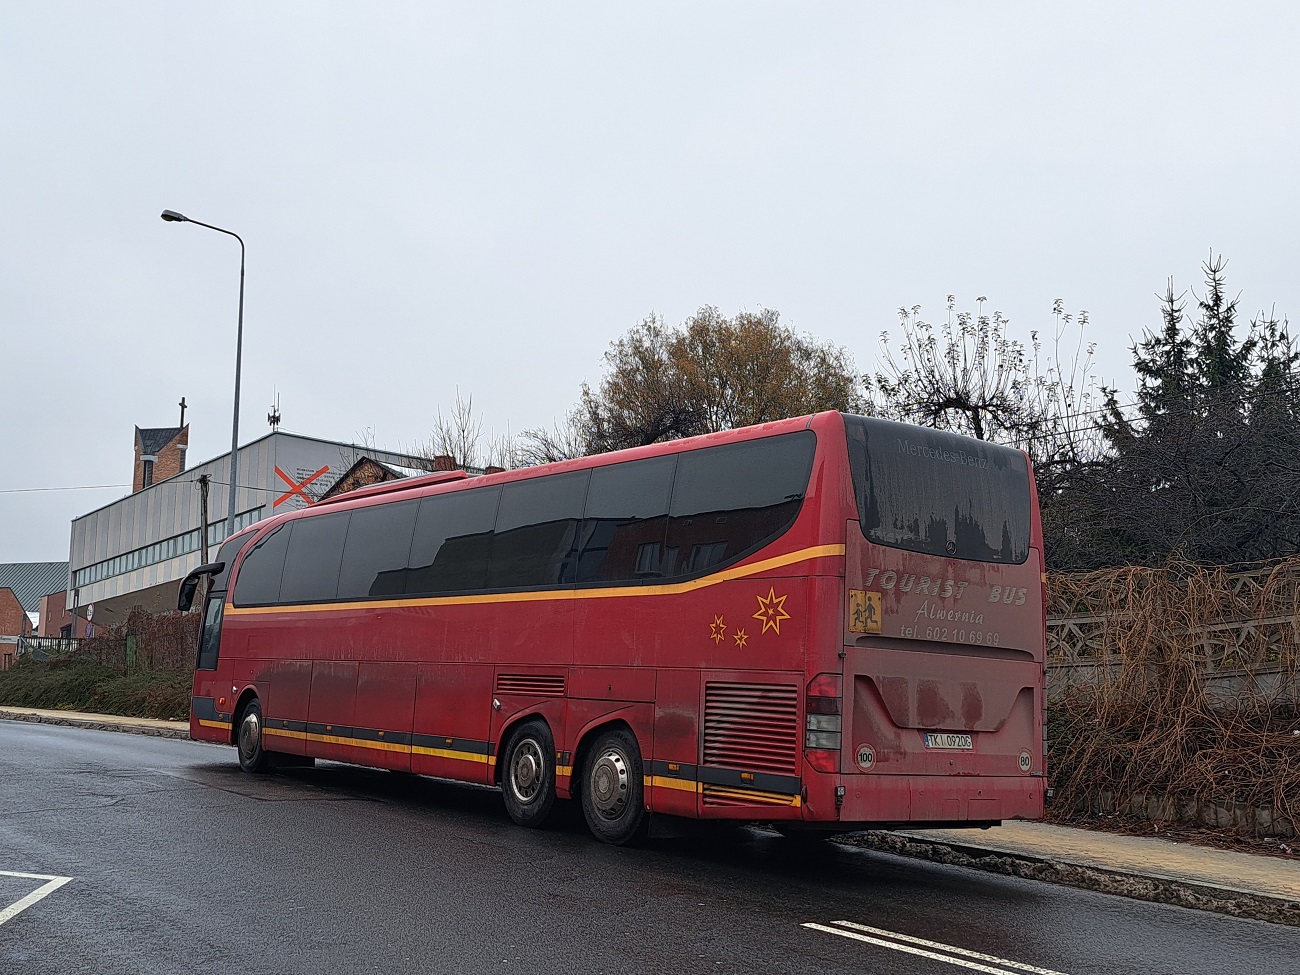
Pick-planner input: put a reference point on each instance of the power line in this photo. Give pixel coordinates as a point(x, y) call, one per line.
point(80, 487)
point(94, 487)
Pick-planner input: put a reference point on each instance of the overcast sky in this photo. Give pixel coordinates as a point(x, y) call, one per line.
point(483, 196)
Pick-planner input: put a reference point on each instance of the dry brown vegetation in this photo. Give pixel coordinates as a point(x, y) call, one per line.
point(1173, 695)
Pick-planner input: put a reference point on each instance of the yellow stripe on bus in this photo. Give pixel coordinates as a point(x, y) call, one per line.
point(671, 589)
point(665, 782)
point(283, 732)
point(383, 746)
point(449, 753)
point(223, 725)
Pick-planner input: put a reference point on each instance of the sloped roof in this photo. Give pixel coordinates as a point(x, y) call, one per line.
point(32, 580)
point(153, 439)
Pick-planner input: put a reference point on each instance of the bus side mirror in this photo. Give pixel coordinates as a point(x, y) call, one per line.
point(191, 584)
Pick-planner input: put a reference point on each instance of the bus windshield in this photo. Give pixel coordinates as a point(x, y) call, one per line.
point(939, 493)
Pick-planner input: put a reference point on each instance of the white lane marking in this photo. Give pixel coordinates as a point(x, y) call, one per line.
point(16, 908)
point(1008, 966)
point(1019, 965)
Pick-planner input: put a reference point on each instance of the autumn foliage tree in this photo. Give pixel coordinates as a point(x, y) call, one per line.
point(711, 373)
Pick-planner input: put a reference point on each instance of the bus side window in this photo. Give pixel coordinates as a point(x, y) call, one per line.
point(311, 568)
point(258, 583)
point(731, 499)
point(453, 535)
point(624, 521)
point(377, 549)
point(535, 542)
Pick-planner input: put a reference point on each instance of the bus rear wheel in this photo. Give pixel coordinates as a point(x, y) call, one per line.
point(252, 756)
point(528, 778)
point(613, 791)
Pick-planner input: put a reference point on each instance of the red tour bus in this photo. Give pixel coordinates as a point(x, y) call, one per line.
point(832, 621)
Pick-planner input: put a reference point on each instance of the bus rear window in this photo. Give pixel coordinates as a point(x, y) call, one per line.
point(939, 493)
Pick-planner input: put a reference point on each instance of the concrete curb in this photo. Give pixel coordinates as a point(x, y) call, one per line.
point(1160, 890)
point(125, 725)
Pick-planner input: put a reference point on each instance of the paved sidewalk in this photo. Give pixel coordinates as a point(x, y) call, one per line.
point(1149, 856)
point(1241, 884)
point(99, 722)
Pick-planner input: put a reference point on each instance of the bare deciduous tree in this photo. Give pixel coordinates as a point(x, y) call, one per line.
point(563, 441)
point(459, 434)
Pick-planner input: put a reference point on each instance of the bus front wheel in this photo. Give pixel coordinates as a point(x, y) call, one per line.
point(613, 791)
point(528, 779)
point(252, 756)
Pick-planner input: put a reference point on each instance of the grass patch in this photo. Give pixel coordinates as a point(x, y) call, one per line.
point(90, 686)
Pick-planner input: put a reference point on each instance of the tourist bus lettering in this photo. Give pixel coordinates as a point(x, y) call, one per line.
point(925, 585)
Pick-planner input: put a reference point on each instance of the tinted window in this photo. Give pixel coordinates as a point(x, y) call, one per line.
point(376, 551)
point(258, 583)
point(731, 499)
point(453, 536)
point(939, 493)
point(311, 569)
point(210, 635)
point(227, 554)
point(624, 521)
point(536, 536)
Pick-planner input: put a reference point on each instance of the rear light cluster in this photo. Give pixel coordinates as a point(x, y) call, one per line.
point(823, 729)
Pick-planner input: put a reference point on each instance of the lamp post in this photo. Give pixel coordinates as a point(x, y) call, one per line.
point(172, 216)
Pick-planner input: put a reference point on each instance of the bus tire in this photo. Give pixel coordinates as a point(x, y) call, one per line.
point(613, 791)
point(528, 777)
point(248, 740)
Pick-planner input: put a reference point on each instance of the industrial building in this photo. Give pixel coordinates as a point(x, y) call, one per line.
point(134, 551)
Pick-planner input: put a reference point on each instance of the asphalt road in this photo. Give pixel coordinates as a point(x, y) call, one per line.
point(180, 863)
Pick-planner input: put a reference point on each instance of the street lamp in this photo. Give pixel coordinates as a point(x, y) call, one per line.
point(171, 216)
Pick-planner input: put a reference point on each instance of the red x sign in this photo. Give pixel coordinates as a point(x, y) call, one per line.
point(296, 487)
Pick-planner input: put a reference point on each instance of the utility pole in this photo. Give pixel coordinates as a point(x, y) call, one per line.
point(204, 481)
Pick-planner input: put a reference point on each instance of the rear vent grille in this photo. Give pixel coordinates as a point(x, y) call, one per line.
point(530, 685)
point(753, 727)
point(717, 795)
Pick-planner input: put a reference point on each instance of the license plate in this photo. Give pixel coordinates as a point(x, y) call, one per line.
point(942, 739)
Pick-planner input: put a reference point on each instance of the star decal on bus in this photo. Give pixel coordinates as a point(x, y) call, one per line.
point(741, 638)
point(717, 630)
point(771, 611)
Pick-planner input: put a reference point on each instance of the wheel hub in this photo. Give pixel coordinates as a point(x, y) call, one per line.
point(609, 784)
point(250, 734)
point(526, 771)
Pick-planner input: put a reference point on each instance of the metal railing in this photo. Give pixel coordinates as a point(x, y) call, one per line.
point(1253, 628)
point(45, 647)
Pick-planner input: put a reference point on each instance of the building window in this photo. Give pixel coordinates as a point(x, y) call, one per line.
point(148, 472)
point(161, 551)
